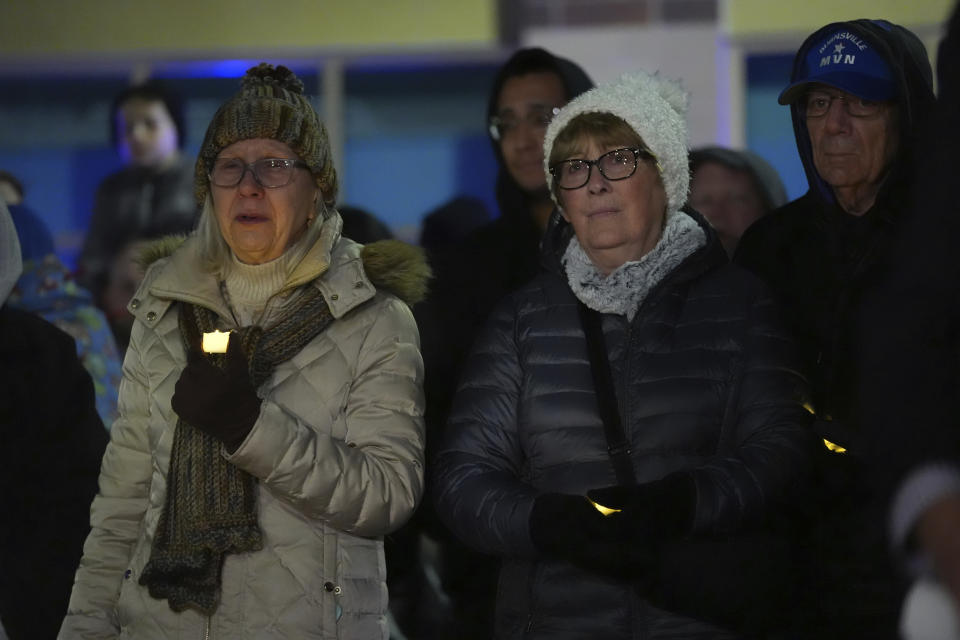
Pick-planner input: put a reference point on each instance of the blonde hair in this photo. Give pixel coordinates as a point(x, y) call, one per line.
point(603, 128)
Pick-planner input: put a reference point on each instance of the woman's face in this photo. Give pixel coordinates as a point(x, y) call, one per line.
point(616, 221)
point(258, 223)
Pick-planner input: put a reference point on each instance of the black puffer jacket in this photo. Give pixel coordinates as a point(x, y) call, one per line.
point(471, 277)
point(705, 382)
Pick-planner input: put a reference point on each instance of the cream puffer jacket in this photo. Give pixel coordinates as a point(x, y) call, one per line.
point(337, 450)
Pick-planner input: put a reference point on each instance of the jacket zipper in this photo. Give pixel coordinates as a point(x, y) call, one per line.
point(206, 628)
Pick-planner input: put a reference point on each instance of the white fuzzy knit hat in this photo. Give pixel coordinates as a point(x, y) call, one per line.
point(655, 107)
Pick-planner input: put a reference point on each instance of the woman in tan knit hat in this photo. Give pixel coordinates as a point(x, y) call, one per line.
point(244, 494)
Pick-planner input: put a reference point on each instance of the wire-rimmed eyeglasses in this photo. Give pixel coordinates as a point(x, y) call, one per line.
point(817, 104)
point(270, 173)
point(618, 164)
point(537, 117)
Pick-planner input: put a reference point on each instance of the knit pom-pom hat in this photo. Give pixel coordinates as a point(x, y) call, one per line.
point(655, 108)
point(270, 104)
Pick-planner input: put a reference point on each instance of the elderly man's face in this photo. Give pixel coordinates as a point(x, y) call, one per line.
point(852, 152)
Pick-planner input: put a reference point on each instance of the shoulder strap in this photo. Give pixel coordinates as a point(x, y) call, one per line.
point(617, 445)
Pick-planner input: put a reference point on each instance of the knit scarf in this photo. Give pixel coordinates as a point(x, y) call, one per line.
point(210, 507)
point(624, 290)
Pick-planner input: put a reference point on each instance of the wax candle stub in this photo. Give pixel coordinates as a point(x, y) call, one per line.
point(216, 341)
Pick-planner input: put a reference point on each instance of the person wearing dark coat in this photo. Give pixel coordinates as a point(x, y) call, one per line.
point(472, 275)
point(859, 90)
point(732, 189)
point(362, 226)
point(51, 443)
point(910, 341)
point(528, 89)
point(152, 195)
point(451, 223)
point(637, 319)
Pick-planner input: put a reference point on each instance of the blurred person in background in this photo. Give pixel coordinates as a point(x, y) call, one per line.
point(639, 369)
point(471, 276)
point(362, 226)
point(152, 195)
point(36, 241)
point(732, 189)
point(46, 287)
point(910, 342)
point(11, 189)
point(246, 493)
point(858, 93)
point(122, 280)
point(450, 223)
point(51, 444)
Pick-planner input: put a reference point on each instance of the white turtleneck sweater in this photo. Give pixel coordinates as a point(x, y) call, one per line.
point(251, 286)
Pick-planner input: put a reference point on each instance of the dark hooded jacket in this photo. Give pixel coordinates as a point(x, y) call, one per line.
point(705, 383)
point(821, 262)
point(816, 257)
point(51, 442)
point(135, 203)
point(910, 336)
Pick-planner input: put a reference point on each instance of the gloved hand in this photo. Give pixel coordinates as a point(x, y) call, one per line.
point(569, 527)
point(221, 402)
point(654, 511)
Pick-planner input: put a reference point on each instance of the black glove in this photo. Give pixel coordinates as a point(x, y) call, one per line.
point(221, 402)
point(569, 527)
point(654, 511)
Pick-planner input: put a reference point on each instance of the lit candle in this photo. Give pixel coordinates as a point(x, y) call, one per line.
point(215, 341)
point(602, 509)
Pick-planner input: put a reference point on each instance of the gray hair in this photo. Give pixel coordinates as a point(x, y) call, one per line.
point(215, 253)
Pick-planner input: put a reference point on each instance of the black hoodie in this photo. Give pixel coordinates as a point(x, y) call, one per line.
point(511, 199)
point(818, 258)
point(822, 264)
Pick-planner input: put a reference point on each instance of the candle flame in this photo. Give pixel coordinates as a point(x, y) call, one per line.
point(833, 446)
point(215, 341)
point(602, 509)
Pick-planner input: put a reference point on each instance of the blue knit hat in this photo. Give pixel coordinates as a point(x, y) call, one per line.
point(846, 61)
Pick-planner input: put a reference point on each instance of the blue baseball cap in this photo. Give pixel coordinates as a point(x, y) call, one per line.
point(846, 61)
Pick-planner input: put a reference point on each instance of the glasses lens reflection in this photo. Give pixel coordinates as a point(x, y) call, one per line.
point(268, 172)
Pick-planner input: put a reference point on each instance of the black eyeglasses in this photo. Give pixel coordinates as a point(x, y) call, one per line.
point(538, 117)
point(817, 104)
point(270, 173)
point(618, 164)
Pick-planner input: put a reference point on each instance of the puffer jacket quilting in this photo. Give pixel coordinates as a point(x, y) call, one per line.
point(337, 450)
point(705, 380)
